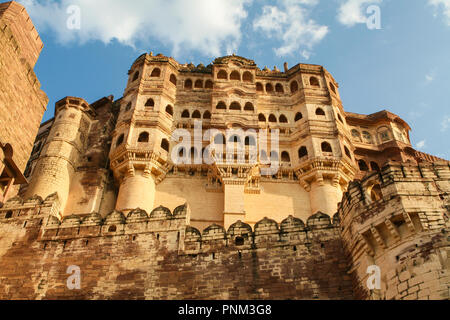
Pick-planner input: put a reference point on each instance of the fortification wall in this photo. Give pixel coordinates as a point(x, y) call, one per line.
point(398, 220)
point(21, 99)
point(158, 256)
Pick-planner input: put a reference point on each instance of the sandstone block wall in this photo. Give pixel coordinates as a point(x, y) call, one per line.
point(398, 220)
point(21, 99)
point(158, 256)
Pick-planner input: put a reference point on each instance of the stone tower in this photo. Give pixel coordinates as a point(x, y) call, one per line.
point(398, 221)
point(139, 154)
point(61, 152)
point(232, 94)
point(21, 99)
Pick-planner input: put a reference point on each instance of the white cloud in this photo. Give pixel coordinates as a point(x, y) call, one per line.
point(445, 5)
point(352, 12)
point(208, 26)
point(429, 78)
point(445, 124)
point(289, 21)
point(421, 144)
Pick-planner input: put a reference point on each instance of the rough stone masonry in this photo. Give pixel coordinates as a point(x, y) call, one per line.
point(95, 189)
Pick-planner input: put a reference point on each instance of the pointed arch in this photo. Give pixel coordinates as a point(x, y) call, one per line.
point(279, 88)
point(188, 84)
point(283, 119)
point(150, 103)
point(144, 137)
point(247, 77)
point(156, 73)
point(207, 115)
point(294, 86)
point(198, 84)
point(173, 79)
point(235, 75)
point(196, 115)
point(185, 114)
point(326, 147)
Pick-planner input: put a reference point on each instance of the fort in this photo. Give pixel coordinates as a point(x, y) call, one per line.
point(97, 186)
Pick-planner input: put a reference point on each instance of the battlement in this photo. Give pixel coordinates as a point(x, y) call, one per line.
point(319, 228)
point(398, 219)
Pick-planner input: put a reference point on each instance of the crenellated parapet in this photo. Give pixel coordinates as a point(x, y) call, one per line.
point(398, 220)
point(266, 233)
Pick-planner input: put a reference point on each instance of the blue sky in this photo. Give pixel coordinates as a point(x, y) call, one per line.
point(402, 67)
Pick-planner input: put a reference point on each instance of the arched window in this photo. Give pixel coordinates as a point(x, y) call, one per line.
point(249, 107)
point(199, 84)
point(234, 139)
point(120, 140)
point(235, 106)
point(298, 116)
point(143, 137)
point(221, 106)
point(272, 118)
point(332, 87)
point(294, 86)
point(259, 87)
point(283, 119)
point(376, 193)
point(156, 73)
point(182, 152)
point(165, 145)
point(285, 156)
point(363, 165)
point(356, 135)
point(235, 75)
point(263, 155)
point(185, 114)
point(347, 152)
point(250, 141)
point(8, 214)
point(384, 134)
point(207, 115)
point(196, 115)
point(169, 110)
point(188, 84)
point(219, 139)
point(150, 103)
point(247, 77)
point(374, 166)
point(302, 152)
point(222, 74)
point(367, 137)
point(208, 84)
point(261, 118)
point(136, 76)
point(193, 153)
point(269, 87)
point(313, 81)
point(173, 79)
point(128, 107)
point(279, 88)
point(326, 147)
point(320, 112)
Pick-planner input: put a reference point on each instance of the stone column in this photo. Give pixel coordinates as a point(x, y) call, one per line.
point(233, 203)
point(137, 190)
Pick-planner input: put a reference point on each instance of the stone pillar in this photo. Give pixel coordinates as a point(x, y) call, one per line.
point(56, 166)
point(233, 204)
point(137, 190)
point(324, 197)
